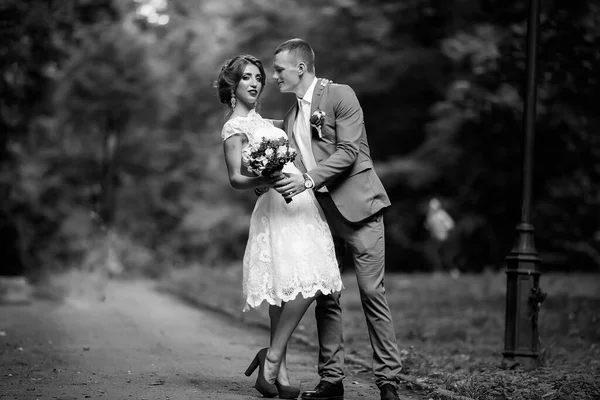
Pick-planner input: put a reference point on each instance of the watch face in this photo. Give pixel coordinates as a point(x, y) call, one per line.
point(308, 184)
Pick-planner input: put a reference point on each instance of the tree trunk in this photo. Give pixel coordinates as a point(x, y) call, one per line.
point(110, 168)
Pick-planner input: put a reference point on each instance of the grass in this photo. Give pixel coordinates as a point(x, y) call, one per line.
point(451, 331)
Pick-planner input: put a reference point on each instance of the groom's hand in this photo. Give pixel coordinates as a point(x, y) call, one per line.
point(272, 180)
point(290, 186)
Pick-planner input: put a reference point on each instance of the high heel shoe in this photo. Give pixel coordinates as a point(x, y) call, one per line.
point(287, 392)
point(262, 385)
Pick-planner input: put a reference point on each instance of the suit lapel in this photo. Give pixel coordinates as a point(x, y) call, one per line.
point(317, 96)
point(289, 123)
point(289, 129)
point(314, 106)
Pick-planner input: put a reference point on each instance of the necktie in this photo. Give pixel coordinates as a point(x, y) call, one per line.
point(302, 135)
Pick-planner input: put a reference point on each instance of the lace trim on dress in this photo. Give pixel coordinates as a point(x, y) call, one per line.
point(244, 125)
point(306, 292)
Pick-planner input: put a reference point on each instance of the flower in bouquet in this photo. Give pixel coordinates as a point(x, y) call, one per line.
point(268, 156)
point(316, 121)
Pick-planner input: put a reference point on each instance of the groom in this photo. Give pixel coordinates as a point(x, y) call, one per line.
point(326, 126)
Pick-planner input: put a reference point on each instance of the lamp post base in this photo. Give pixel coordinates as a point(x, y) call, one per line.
point(526, 362)
point(523, 297)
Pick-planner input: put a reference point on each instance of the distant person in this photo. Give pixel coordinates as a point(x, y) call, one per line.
point(439, 224)
point(290, 255)
point(326, 124)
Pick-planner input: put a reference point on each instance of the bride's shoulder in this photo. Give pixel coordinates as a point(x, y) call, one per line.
point(240, 118)
point(243, 124)
point(232, 121)
point(231, 127)
point(237, 119)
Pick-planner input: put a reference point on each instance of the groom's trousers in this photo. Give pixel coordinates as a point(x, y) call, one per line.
point(366, 242)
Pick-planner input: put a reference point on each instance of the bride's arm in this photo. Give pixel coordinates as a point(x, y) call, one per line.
point(233, 158)
point(278, 123)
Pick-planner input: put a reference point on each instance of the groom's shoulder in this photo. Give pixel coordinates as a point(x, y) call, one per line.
point(339, 88)
point(341, 92)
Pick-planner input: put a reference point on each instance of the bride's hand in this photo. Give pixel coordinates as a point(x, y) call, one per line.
point(273, 179)
point(268, 182)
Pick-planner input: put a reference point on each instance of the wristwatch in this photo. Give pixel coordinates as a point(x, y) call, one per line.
point(308, 183)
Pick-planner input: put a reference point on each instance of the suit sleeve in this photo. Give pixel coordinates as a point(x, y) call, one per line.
point(349, 127)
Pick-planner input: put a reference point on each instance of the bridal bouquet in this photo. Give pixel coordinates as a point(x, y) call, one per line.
point(268, 156)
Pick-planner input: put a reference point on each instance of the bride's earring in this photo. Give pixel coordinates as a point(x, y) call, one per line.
point(233, 100)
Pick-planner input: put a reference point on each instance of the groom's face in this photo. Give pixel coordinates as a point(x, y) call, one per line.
point(286, 72)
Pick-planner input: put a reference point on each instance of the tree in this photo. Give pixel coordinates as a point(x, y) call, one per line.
point(35, 36)
point(106, 87)
point(484, 110)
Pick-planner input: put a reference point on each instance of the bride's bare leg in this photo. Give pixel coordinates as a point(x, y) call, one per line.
point(282, 376)
point(289, 317)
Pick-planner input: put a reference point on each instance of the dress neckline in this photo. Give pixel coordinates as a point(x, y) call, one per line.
point(250, 113)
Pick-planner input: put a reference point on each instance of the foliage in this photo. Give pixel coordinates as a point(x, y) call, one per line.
point(36, 36)
point(484, 105)
point(441, 84)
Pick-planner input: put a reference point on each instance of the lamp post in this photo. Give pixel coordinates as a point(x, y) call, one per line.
point(523, 295)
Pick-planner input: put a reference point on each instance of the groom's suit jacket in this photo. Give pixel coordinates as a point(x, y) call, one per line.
point(344, 164)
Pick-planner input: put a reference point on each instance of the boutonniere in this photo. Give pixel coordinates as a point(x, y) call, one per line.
point(316, 121)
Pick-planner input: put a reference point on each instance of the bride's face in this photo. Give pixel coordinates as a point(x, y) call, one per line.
point(286, 72)
point(250, 86)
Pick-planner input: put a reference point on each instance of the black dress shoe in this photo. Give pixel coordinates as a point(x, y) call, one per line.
point(388, 392)
point(325, 391)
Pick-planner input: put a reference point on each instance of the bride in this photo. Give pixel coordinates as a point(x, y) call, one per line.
point(290, 257)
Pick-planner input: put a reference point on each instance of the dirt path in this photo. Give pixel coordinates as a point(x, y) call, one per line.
point(138, 344)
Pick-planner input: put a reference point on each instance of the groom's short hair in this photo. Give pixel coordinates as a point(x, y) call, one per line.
point(300, 50)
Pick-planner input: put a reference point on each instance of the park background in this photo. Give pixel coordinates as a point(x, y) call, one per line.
point(111, 158)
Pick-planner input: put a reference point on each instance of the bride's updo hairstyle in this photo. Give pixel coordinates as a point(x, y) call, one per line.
point(231, 74)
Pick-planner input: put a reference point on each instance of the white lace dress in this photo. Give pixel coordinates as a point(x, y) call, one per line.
point(290, 249)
